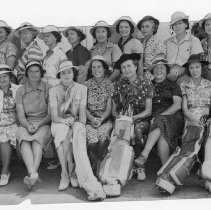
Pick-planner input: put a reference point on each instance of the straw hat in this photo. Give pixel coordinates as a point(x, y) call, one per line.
point(23, 26)
point(64, 66)
point(4, 69)
point(100, 23)
point(178, 16)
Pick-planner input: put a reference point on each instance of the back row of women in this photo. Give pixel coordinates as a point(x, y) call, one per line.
point(76, 95)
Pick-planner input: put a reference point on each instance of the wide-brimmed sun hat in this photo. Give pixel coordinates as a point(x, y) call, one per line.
point(5, 25)
point(124, 18)
point(23, 26)
point(100, 23)
point(64, 66)
point(207, 17)
point(146, 18)
point(125, 57)
point(77, 30)
point(195, 58)
point(4, 69)
point(178, 16)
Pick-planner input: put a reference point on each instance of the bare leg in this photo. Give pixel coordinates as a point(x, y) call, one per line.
point(151, 141)
point(27, 155)
point(163, 150)
point(62, 158)
point(37, 152)
point(6, 155)
point(70, 160)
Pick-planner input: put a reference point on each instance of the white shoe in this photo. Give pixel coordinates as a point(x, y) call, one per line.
point(64, 182)
point(74, 180)
point(141, 174)
point(132, 172)
point(4, 179)
point(33, 178)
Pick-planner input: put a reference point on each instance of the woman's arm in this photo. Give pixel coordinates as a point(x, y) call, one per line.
point(147, 112)
point(10, 61)
point(82, 114)
point(114, 112)
point(45, 120)
point(107, 112)
point(186, 110)
point(177, 104)
point(114, 75)
point(21, 116)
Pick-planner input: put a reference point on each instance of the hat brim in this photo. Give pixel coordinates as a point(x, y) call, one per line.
point(120, 20)
point(72, 67)
point(4, 71)
point(92, 30)
point(150, 67)
point(180, 18)
point(195, 60)
point(82, 35)
point(125, 57)
point(17, 31)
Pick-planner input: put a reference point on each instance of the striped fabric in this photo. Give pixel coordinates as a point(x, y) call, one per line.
point(32, 53)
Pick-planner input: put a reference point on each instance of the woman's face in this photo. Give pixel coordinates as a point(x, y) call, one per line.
point(195, 69)
point(66, 76)
point(49, 39)
point(97, 69)
point(128, 69)
point(4, 80)
point(207, 26)
point(101, 34)
point(3, 34)
point(27, 36)
point(124, 29)
point(73, 37)
point(179, 27)
point(159, 71)
point(147, 28)
point(34, 74)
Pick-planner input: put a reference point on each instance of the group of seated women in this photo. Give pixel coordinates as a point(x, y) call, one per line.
point(164, 84)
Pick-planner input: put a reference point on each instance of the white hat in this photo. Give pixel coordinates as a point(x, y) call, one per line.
point(178, 16)
point(23, 26)
point(50, 28)
point(100, 23)
point(127, 18)
point(207, 17)
point(64, 65)
point(4, 69)
point(4, 24)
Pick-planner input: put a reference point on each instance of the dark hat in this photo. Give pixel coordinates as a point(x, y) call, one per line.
point(145, 18)
point(77, 30)
point(195, 58)
point(125, 57)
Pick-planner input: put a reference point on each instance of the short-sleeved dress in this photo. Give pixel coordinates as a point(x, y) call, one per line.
point(134, 95)
point(35, 105)
point(198, 98)
point(111, 53)
point(97, 97)
point(68, 103)
point(171, 125)
point(8, 116)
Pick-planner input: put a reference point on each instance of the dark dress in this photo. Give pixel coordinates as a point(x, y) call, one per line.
point(134, 95)
point(171, 125)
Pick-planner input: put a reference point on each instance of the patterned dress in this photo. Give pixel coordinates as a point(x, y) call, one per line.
point(134, 95)
point(8, 119)
point(171, 125)
point(97, 98)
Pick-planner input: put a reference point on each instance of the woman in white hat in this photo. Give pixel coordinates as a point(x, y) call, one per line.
point(8, 120)
point(125, 27)
point(111, 52)
point(8, 50)
point(180, 46)
point(153, 47)
point(54, 56)
point(78, 54)
point(32, 52)
point(67, 104)
point(99, 124)
point(206, 43)
point(34, 116)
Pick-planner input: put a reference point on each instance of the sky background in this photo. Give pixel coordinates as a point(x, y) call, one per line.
point(64, 13)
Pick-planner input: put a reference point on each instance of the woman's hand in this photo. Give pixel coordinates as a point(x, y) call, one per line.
point(68, 121)
point(96, 122)
point(31, 129)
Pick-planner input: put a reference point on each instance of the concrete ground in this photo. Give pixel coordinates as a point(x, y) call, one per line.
point(46, 192)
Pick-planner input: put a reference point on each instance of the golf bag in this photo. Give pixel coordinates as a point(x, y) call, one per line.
point(180, 163)
point(116, 166)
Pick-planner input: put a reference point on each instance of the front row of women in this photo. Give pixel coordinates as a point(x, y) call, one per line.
point(156, 110)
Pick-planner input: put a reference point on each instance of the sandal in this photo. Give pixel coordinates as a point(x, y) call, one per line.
point(140, 161)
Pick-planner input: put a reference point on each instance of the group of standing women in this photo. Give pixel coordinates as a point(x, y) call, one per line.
point(55, 92)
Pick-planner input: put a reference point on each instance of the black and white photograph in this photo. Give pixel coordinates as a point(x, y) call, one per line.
point(105, 104)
